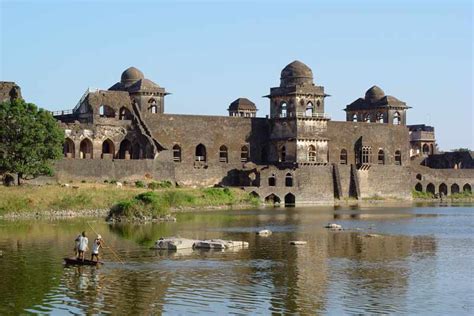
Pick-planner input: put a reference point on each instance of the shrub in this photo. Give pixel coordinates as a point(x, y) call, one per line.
point(139, 184)
point(421, 195)
point(106, 181)
point(153, 185)
point(113, 182)
point(83, 181)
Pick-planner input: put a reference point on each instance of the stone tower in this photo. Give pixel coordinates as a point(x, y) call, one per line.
point(149, 96)
point(297, 117)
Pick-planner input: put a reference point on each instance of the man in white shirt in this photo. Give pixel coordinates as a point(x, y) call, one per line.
point(95, 247)
point(83, 245)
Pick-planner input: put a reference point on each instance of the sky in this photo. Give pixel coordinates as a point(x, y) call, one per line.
point(209, 53)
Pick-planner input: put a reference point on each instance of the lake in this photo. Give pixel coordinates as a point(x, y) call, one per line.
point(419, 260)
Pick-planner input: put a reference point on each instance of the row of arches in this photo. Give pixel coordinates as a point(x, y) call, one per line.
point(272, 180)
point(200, 153)
point(376, 118)
point(289, 199)
point(309, 109)
point(127, 149)
point(365, 156)
point(443, 188)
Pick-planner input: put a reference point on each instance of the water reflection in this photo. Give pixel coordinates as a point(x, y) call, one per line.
point(373, 266)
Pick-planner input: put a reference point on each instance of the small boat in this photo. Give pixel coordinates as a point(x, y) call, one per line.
point(81, 262)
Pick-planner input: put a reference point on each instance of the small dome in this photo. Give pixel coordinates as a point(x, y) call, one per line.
point(296, 73)
point(374, 94)
point(242, 104)
point(131, 74)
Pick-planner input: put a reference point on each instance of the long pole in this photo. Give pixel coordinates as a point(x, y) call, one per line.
point(113, 252)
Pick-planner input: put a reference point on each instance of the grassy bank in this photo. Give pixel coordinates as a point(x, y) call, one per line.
point(85, 196)
point(461, 196)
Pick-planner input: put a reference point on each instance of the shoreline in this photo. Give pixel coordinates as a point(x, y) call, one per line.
point(103, 213)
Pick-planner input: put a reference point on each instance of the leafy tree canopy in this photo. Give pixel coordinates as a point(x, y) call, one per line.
point(30, 139)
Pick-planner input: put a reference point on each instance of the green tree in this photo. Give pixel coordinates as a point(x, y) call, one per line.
point(30, 139)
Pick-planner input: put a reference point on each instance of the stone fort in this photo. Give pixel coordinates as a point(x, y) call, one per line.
point(296, 155)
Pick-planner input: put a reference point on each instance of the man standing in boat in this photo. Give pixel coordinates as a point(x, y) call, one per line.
point(83, 245)
point(95, 248)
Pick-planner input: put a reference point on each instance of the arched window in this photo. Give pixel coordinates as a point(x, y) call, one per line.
point(85, 149)
point(136, 150)
point(309, 109)
point(288, 180)
point(283, 154)
point(69, 148)
point(381, 157)
point(106, 111)
point(366, 155)
point(125, 150)
point(272, 199)
point(454, 188)
point(426, 149)
point(466, 188)
point(367, 118)
point(443, 189)
point(419, 187)
point(244, 154)
point(430, 188)
point(343, 157)
point(152, 106)
point(398, 158)
point(176, 153)
point(272, 180)
point(354, 117)
point(200, 154)
point(397, 118)
point(419, 177)
point(223, 156)
point(108, 149)
point(379, 118)
point(124, 114)
point(312, 153)
point(289, 200)
point(318, 103)
point(283, 110)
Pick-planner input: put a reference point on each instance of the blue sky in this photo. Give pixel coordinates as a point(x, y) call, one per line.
point(208, 53)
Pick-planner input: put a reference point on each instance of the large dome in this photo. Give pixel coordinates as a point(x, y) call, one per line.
point(131, 74)
point(296, 73)
point(374, 94)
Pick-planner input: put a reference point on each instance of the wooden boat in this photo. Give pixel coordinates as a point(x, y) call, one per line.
point(84, 262)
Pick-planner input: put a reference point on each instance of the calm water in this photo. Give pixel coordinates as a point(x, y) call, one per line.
point(422, 263)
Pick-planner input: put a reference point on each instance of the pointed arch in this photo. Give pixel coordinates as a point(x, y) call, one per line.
point(86, 149)
point(272, 180)
point(426, 149)
point(454, 188)
point(343, 157)
point(397, 119)
point(272, 199)
point(419, 187)
point(309, 109)
point(125, 149)
point(443, 189)
point(244, 153)
point(176, 153)
point(430, 188)
point(200, 153)
point(398, 158)
point(379, 117)
point(312, 153)
point(223, 154)
point(108, 148)
point(288, 180)
point(152, 106)
point(283, 109)
point(354, 117)
point(381, 157)
point(467, 188)
point(290, 200)
point(69, 149)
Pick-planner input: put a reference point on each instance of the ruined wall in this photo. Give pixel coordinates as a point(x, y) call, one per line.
point(463, 178)
point(385, 181)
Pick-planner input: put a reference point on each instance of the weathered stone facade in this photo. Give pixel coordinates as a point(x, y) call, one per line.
point(297, 155)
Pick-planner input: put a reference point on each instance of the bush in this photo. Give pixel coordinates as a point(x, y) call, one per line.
point(162, 184)
point(139, 184)
point(83, 181)
point(461, 195)
point(421, 195)
point(113, 182)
